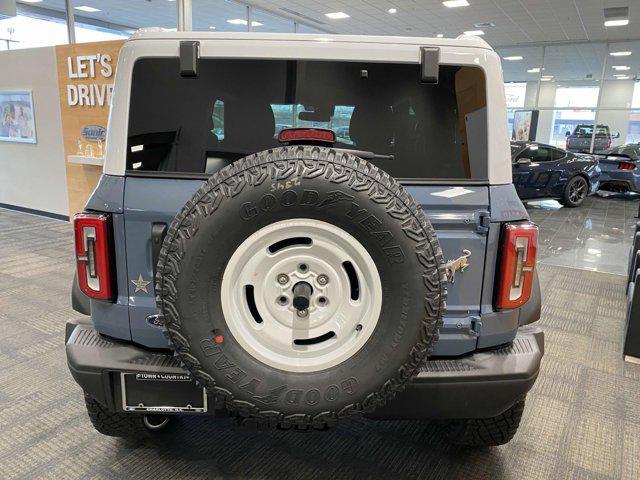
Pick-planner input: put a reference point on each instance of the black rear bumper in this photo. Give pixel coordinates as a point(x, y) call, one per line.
point(480, 385)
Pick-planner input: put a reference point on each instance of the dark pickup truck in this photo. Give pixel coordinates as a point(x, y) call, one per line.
point(580, 139)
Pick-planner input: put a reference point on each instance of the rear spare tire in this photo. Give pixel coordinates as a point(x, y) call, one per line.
point(300, 285)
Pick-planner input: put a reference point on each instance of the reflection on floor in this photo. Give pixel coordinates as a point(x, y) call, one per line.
point(595, 236)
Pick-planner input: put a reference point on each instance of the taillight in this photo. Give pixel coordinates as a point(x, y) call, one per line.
point(626, 166)
point(307, 135)
point(518, 262)
point(92, 239)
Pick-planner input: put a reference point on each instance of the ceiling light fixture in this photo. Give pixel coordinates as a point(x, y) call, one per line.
point(622, 77)
point(242, 21)
point(474, 33)
point(440, 35)
point(392, 10)
point(616, 23)
point(625, 53)
point(211, 27)
point(31, 1)
point(455, 3)
point(337, 15)
point(84, 8)
point(621, 67)
point(534, 70)
point(513, 58)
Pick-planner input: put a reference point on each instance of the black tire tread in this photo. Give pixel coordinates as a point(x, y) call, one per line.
point(304, 162)
point(487, 432)
point(114, 424)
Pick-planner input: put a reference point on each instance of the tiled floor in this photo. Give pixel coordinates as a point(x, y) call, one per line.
point(581, 419)
point(595, 236)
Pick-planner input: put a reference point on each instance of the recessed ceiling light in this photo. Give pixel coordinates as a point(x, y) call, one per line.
point(337, 15)
point(440, 35)
point(616, 23)
point(622, 77)
point(31, 1)
point(545, 79)
point(455, 3)
point(513, 58)
point(392, 10)
point(211, 27)
point(84, 8)
point(484, 25)
point(242, 21)
point(534, 70)
point(621, 67)
point(625, 53)
point(475, 33)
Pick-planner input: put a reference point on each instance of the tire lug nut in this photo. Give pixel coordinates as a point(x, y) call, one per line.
point(283, 279)
point(303, 313)
point(322, 279)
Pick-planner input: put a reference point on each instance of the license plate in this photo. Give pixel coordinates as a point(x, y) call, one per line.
point(161, 392)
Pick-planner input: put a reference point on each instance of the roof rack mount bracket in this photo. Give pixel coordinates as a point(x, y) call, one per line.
point(189, 55)
point(429, 64)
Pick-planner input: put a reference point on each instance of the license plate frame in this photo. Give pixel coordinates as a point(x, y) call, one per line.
point(161, 393)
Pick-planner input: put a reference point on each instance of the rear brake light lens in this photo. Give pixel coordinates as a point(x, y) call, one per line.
point(626, 166)
point(307, 135)
point(519, 249)
point(92, 242)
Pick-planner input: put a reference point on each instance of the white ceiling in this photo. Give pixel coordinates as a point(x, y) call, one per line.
point(518, 25)
point(516, 21)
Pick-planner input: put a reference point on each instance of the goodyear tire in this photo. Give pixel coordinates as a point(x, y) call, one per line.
point(300, 285)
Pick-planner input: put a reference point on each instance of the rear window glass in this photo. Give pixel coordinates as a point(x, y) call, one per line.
point(236, 107)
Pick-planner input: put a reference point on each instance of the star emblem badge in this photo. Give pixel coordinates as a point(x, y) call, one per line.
point(140, 284)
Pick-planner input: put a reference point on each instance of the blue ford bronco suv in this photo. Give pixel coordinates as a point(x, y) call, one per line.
point(292, 230)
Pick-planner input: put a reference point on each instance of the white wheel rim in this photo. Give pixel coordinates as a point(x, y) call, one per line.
point(284, 339)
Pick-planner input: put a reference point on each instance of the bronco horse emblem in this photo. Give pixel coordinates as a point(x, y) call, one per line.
point(460, 263)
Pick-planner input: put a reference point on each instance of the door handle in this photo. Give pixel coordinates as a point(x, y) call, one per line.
point(158, 232)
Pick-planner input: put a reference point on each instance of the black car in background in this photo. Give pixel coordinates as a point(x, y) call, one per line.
point(620, 168)
point(541, 171)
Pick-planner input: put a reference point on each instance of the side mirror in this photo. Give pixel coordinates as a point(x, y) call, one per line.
point(615, 135)
point(567, 134)
point(523, 161)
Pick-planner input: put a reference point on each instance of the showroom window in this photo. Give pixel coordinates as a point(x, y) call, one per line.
point(23, 31)
point(268, 22)
point(219, 16)
point(573, 85)
point(98, 21)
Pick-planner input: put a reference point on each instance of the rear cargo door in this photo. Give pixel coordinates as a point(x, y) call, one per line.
point(460, 215)
point(149, 205)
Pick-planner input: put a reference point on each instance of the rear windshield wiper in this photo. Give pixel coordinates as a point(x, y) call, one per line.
point(366, 154)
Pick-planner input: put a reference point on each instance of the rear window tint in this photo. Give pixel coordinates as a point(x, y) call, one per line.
point(236, 107)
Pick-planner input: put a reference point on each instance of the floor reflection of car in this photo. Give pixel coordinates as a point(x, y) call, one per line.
point(541, 171)
point(620, 168)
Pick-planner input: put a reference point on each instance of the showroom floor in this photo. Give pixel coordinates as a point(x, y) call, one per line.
point(596, 236)
point(581, 419)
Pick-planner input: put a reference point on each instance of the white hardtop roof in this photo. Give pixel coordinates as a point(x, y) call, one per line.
point(155, 33)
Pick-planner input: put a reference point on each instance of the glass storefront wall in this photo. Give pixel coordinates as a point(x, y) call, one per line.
point(45, 23)
point(586, 95)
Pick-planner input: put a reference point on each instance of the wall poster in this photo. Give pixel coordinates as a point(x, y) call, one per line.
point(18, 120)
